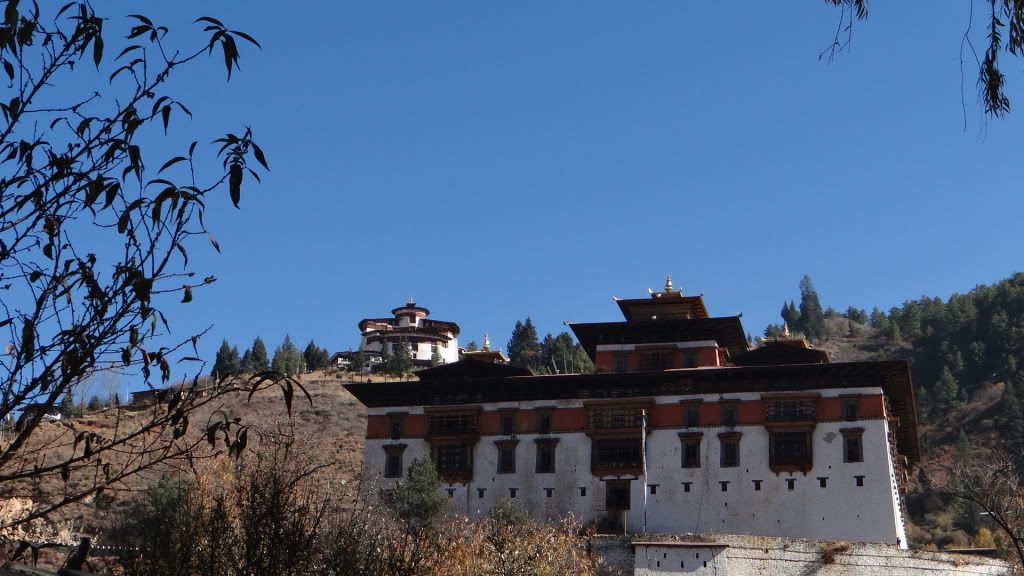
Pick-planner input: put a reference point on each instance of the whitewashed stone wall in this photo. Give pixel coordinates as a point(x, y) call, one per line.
point(840, 510)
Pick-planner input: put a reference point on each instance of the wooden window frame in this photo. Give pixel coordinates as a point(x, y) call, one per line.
point(778, 466)
point(732, 407)
point(508, 416)
point(393, 459)
point(544, 445)
point(396, 421)
point(504, 447)
point(688, 440)
point(691, 407)
point(852, 434)
point(733, 439)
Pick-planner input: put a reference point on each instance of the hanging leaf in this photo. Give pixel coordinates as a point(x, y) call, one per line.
point(28, 339)
point(188, 295)
point(235, 183)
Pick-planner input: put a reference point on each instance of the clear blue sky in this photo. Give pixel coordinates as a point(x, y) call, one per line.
point(535, 158)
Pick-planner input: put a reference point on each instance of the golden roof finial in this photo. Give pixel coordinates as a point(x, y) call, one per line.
point(785, 329)
point(487, 342)
point(668, 283)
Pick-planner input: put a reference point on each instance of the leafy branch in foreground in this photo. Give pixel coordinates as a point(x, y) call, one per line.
point(93, 244)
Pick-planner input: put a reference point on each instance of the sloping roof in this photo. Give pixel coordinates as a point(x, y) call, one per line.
point(472, 368)
point(792, 351)
point(892, 376)
point(664, 305)
point(727, 331)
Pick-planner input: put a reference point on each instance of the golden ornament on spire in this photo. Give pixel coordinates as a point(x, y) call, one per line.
point(668, 283)
point(487, 342)
point(785, 329)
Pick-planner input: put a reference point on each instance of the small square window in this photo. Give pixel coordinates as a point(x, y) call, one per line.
point(549, 492)
point(757, 485)
point(725, 485)
point(544, 423)
point(691, 416)
point(728, 415)
point(480, 492)
point(508, 423)
point(690, 362)
point(512, 492)
point(686, 486)
point(859, 479)
point(823, 481)
point(397, 426)
point(583, 491)
point(621, 362)
point(851, 409)
point(790, 483)
point(653, 488)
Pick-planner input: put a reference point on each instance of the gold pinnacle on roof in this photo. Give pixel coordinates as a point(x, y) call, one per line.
point(785, 329)
point(487, 342)
point(668, 283)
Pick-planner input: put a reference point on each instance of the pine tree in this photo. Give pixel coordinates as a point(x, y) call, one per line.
point(417, 499)
point(247, 360)
point(287, 359)
point(773, 331)
point(227, 361)
point(258, 359)
point(94, 404)
point(790, 315)
point(399, 362)
point(892, 332)
point(812, 319)
point(316, 358)
point(946, 392)
point(436, 359)
point(523, 346)
point(878, 319)
point(472, 346)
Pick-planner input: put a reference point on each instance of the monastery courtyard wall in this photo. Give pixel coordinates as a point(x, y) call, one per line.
point(731, 555)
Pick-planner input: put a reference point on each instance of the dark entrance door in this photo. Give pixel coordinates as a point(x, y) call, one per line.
point(617, 504)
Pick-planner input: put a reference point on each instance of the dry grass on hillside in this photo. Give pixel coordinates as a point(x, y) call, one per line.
point(330, 429)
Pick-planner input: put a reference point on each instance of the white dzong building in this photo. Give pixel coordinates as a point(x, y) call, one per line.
point(410, 325)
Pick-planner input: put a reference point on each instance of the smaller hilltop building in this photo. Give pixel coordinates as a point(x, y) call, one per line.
point(684, 428)
point(410, 325)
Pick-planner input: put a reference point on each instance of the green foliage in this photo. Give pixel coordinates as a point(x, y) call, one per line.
point(287, 359)
point(790, 315)
point(773, 331)
point(509, 512)
point(472, 346)
point(316, 358)
point(562, 355)
point(255, 359)
point(878, 319)
point(524, 347)
point(399, 362)
point(857, 315)
point(812, 319)
point(68, 408)
point(94, 404)
point(435, 357)
point(945, 393)
point(228, 361)
point(417, 499)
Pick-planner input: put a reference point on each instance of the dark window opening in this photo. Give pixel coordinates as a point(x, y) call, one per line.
point(655, 360)
point(512, 492)
point(621, 362)
point(686, 486)
point(757, 484)
point(616, 454)
point(617, 495)
point(583, 491)
point(790, 483)
point(851, 409)
point(545, 457)
point(453, 460)
point(690, 362)
point(653, 488)
point(393, 461)
point(480, 492)
point(506, 458)
point(728, 415)
point(725, 485)
point(860, 480)
point(451, 492)
point(790, 449)
point(692, 416)
point(801, 410)
point(397, 426)
point(691, 450)
point(823, 481)
point(611, 418)
point(544, 423)
point(549, 492)
point(730, 453)
point(441, 424)
point(508, 424)
point(853, 449)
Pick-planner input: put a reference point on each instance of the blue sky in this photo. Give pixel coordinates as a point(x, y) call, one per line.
point(503, 160)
